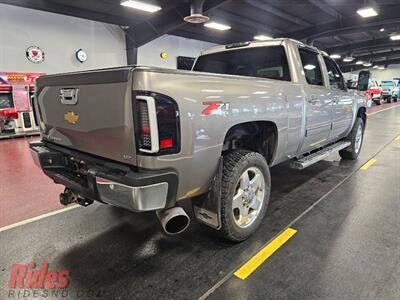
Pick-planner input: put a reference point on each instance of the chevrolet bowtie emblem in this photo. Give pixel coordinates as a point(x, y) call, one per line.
point(71, 117)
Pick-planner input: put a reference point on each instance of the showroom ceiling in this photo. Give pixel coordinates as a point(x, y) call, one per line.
point(332, 25)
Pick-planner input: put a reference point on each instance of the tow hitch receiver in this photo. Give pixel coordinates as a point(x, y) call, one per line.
point(69, 197)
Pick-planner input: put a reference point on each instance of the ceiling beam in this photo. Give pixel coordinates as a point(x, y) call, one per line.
point(351, 68)
point(260, 27)
point(72, 11)
point(322, 5)
point(389, 16)
point(364, 45)
point(165, 22)
point(376, 57)
point(278, 12)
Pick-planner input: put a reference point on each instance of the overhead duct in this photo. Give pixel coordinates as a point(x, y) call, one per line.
point(196, 13)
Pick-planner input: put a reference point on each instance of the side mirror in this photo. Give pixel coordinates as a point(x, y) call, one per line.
point(363, 80)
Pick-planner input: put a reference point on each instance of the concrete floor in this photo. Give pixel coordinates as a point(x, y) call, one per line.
point(346, 246)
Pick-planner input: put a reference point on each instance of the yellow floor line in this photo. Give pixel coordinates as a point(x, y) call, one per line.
point(368, 164)
point(251, 265)
point(397, 138)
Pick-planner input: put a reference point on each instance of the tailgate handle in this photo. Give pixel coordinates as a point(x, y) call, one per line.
point(69, 96)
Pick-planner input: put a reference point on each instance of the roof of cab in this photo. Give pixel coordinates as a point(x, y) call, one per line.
point(251, 44)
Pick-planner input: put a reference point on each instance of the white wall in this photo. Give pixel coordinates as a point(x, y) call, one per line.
point(59, 36)
point(393, 71)
point(174, 46)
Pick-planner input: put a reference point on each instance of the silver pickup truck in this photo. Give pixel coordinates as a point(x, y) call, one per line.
point(145, 138)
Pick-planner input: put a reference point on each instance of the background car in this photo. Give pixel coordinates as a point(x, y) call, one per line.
point(374, 92)
point(387, 87)
point(396, 93)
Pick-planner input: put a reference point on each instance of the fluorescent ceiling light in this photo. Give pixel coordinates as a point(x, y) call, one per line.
point(375, 67)
point(335, 56)
point(381, 67)
point(262, 37)
point(140, 5)
point(367, 64)
point(348, 59)
point(360, 62)
point(218, 26)
point(309, 67)
point(382, 29)
point(395, 37)
point(367, 12)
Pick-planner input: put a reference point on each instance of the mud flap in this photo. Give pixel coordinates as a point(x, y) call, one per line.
point(207, 208)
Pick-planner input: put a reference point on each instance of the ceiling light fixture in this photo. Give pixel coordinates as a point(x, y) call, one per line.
point(360, 62)
point(218, 26)
point(395, 37)
point(141, 6)
point(382, 29)
point(262, 37)
point(309, 67)
point(381, 68)
point(348, 59)
point(375, 67)
point(335, 56)
point(367, 12)
point(367, 64)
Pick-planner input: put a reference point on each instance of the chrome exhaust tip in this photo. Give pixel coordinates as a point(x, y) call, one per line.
point(173, 220)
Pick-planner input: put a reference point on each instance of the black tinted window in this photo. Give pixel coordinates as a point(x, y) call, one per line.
point(311, 67)
point(265, 62)
point(6, 101)
point(335, 77)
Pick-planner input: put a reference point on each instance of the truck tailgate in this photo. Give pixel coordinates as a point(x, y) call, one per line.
point(89, 111)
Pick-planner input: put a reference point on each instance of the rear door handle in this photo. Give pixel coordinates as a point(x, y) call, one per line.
point(313, 99)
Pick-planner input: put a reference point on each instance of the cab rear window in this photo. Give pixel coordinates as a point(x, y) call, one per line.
point(264, 62)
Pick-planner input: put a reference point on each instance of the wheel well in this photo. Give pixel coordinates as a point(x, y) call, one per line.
point(258, 136)
point(362, 113)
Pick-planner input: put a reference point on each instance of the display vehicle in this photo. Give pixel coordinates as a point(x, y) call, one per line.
point(144, 138)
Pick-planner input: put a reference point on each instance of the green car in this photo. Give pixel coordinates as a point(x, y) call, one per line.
point(387, 90)
point(396, 92)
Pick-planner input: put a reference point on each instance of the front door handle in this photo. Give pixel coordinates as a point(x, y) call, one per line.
point(313, 99)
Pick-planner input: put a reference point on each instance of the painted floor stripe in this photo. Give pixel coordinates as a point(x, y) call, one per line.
point(368, 164)
point(379, 111)
point(397, 138)
point(37, 218)
point(251, 265)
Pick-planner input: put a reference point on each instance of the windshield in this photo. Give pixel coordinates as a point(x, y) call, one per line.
point(265, 62)
point(387, 83)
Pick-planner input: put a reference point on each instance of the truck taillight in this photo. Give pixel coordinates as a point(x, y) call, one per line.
point(157, 124)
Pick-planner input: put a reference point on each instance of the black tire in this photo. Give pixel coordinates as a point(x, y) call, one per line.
point(234, 165)
point(389, 99)
point(379, 101)
point(395, 99)
point(350, 152)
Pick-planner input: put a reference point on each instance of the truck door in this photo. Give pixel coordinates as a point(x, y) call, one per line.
point(318, 101)
point(342, 113)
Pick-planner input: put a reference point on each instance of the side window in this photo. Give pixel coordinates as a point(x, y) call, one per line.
point(312, 69)
point(335, 77)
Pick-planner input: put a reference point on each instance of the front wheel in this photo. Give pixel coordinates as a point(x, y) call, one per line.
point(395, 99)
point(389, 99)
point(245, 192)
point(356, 138)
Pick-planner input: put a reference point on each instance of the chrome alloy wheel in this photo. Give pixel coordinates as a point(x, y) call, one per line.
point(358, 141)
point(249, 197)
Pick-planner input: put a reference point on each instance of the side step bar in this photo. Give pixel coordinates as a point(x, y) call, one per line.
point(317, 156)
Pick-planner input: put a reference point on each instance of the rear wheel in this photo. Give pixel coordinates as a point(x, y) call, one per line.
point(395, 99)
point(355, 137)
point(379, 100)
point(245, 194)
